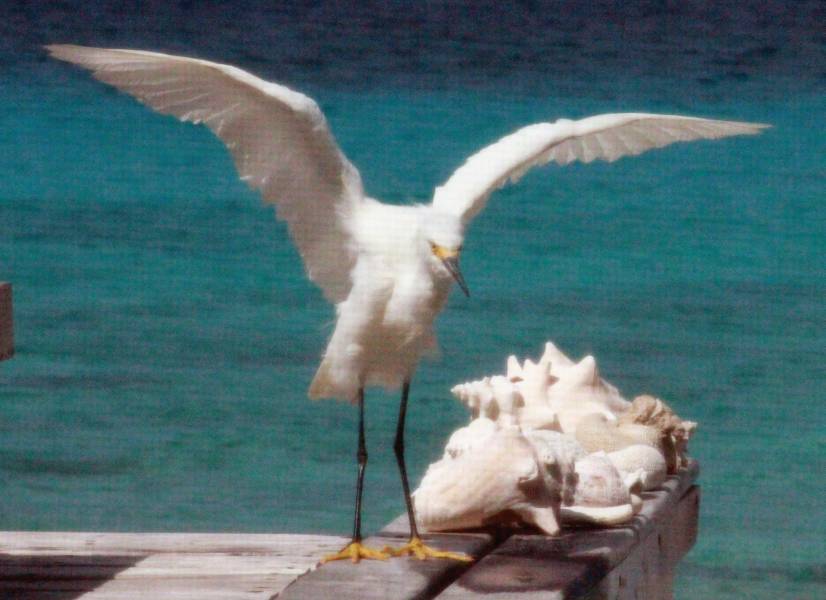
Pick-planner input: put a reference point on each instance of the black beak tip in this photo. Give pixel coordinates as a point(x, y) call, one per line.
point(452, 266)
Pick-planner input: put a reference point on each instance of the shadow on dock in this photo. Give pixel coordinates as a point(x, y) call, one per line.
point(58, 576)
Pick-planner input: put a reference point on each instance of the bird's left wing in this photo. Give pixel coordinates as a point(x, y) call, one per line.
point(606, 137)
point(278, 138)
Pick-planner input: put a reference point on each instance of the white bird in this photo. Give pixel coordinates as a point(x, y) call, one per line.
point(388, 269)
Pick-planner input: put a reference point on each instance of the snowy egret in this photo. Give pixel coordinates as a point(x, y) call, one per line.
point(388, 269)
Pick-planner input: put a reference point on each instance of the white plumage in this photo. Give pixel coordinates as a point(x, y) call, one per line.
point(374, 261)
point(278, 139)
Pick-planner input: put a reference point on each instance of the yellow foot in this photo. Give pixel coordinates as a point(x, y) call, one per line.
point(355, 552)
point(416, 547)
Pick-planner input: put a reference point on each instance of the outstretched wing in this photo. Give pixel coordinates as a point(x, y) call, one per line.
point(278, 138)
point(606, 137)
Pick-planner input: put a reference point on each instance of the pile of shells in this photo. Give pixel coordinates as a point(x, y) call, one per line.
point(550, 443)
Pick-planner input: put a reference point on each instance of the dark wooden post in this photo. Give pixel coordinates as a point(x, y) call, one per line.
point(6, 323)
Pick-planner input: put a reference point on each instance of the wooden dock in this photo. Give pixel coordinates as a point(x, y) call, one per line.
point(633, 561)
point(6, 322)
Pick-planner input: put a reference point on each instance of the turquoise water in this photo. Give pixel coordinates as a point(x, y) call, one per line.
point(166, 334)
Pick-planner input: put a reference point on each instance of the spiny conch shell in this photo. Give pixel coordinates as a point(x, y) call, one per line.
point(640, 462)
point(467, 438)
point(487, 404)
point(501, 475)
point(478, 397)
point(558, 453)
point(536, 379)
point(508, 399)
point(513, 369)
point(595, 432)
point(556, 357)
point(462, 391)
point(599, 482)
point(579, 390)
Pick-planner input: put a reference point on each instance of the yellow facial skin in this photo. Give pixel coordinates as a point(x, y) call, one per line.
point(443, 253)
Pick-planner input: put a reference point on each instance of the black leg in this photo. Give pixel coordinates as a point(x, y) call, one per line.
point(361, 455)
point(415, 546)
point(355, 551)
point(398, 447)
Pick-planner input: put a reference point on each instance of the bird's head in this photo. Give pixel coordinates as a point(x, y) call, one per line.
point(442, 237)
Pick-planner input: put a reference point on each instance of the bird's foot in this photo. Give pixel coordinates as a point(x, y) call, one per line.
point(355, 551)
point(416, 547)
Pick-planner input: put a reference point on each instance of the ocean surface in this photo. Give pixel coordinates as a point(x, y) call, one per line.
point(166, 334)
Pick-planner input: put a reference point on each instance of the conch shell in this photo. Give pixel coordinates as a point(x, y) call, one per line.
point(600, 483)
point(597, 433)
point(642, 462)
point(550, 440)
point(503, 475)
point(533, 382)
point(602, 496)
point(558, 453)
point(467, 439)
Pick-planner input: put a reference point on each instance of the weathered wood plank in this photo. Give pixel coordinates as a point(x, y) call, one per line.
point(6, 322)
point(683, 527)
point(114, 566)
point(648, 571)
point(203, 575)
point(72, 542)
point(222, 586)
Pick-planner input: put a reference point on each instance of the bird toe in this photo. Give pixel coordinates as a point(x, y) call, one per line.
point(356, 551)
point(416, 547)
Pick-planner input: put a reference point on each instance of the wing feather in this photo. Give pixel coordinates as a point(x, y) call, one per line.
point(603, 137)
point(278, 138)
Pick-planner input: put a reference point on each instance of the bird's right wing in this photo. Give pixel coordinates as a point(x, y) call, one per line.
point(606, 137)
point(278, 138)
